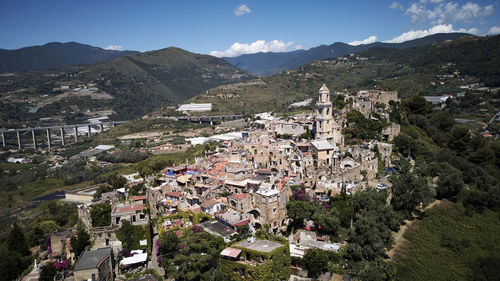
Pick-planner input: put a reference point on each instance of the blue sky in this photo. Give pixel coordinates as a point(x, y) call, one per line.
point(229, 28)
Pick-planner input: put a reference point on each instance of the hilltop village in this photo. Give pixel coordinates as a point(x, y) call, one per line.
point(237, 190)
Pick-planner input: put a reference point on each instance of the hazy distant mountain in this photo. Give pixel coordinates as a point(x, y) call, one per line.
point(53, 55)
point(410, 71)
point(265, 64)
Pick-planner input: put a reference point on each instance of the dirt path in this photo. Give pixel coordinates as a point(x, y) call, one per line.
point(400, 243)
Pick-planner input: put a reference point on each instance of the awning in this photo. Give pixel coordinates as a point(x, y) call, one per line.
point(137, 258)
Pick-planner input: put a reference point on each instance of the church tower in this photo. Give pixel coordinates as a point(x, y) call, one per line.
point(324, 120)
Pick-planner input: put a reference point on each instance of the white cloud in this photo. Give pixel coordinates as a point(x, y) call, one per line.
point(368, 40)
point(241, 10)
point(300, 47)
point(442, 28)
point(494, 30)
point(417, 12)
point(396, 5)
point(449, 12)
point(113, 47)
point(255, 47)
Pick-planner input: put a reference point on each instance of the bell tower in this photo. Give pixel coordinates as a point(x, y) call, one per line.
point(324, 120)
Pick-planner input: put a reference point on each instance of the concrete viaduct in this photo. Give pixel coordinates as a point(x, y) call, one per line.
point(62, 129)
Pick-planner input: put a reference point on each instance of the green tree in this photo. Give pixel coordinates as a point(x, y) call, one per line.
point(100, 214)
point(450, 182)
point(116, 181)
point(16, 242)
point(442, 119)
point(326, 222)
point(126, 234)
point(409, 191)
point(373, 224)
point(459, 139)
point(196, 259)
point(81, 240)
point(341, 204)
point(417, 105)
point(377, 270)
point(47, 227)
point(12, 264)
point(169, 243)
point(316, 262)
point(483, 156)
point(47, 272)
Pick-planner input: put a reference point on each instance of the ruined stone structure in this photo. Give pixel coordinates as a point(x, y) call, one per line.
point(269, 206)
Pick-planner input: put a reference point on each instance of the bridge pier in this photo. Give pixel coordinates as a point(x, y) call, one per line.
point(222, 119)
point(49, 139)
point(76, 133)
point(34, 139)
point(90, 131)
point(19, 143)
point(101, 127)
point(233, 117)
point(3, 140)
point(200, 120)
point(113, 124)
point(211, 121)
point(63, 142)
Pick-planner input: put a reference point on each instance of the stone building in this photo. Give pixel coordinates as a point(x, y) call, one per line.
point(240, 202)
point(269, 207)
point(322, 152)
point(390, 132)
point(289, 128)
point(95, 265)
point(60, 245)
point(133, 213)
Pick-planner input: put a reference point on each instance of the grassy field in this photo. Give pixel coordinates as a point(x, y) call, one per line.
point(452, 243)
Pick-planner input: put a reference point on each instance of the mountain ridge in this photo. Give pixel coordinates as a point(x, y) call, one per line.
point(55, 55)
point(266, 64)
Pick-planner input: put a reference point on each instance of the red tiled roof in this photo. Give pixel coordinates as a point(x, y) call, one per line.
point(173, 194)
point(240, 223)
point(139, 197)
point(126, 209)
point(239, 196)
point(230, 252)
point(196, 210)
point(209, 203)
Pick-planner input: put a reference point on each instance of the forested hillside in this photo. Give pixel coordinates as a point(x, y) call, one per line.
point(54, 55)
point(133, 85)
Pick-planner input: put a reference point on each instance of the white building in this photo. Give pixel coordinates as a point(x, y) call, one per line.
point(198, 107)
